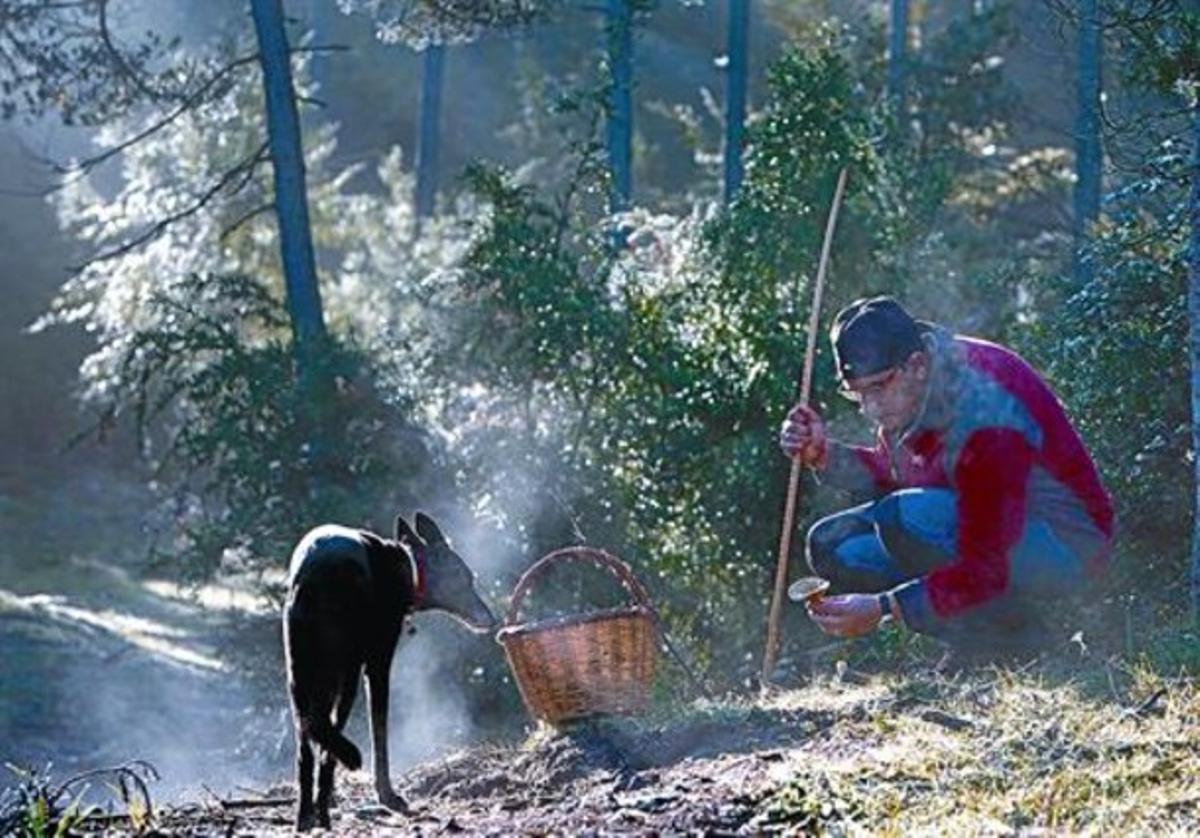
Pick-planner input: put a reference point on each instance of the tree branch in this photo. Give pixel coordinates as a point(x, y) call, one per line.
point(123, 66)
point(243, 218)
point(241, 173)
point(190, 101)
point(86, 165)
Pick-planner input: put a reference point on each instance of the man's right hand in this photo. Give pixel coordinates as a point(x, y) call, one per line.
point(803, 437)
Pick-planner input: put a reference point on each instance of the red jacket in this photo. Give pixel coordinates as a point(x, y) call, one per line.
point(991, 430)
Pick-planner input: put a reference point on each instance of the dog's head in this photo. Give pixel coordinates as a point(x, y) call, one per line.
point(449, 584)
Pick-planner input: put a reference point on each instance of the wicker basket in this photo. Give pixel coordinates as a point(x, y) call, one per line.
point(600, 663)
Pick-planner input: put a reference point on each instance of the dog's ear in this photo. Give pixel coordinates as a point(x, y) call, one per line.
point(428, 530)
point(404, 532)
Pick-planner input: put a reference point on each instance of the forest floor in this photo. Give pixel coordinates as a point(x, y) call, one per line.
point(111, 667)
point(1061, 745)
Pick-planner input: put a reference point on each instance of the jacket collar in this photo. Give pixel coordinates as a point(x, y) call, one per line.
point(942, 387)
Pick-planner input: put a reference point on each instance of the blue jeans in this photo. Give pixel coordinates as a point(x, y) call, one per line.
point(908, 533)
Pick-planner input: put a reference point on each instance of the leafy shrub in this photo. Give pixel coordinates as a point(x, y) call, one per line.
point(643, 383)
point(211, 385)
point(1112, 346)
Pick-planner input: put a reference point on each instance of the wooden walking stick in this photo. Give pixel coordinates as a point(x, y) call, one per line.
point(789, 510)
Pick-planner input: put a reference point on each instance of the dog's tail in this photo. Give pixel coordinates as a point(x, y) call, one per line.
point(331, 740)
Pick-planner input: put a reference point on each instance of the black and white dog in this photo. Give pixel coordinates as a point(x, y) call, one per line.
point(349, 593)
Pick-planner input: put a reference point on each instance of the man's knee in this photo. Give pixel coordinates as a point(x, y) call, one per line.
point(820, 544)
point(911, 551)
point(890, 525)
point(826, 536)
point(887, 513)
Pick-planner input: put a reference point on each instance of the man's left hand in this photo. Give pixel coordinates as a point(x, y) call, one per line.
point(847, 615)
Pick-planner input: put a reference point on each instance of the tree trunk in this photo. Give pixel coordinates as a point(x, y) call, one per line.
point(291, 208)
point(898, 52)
point(287, 159)
point(427, 139)
point(620, 117)
point(1087, 135)
point(1193, 304)
point(735, 95)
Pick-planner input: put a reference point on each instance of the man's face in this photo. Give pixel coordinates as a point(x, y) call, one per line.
point(891, 398)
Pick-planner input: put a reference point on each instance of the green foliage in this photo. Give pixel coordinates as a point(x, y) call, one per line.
point(420, 24)
point(1174, 651)
point(645, 382)
point(193, 347)
point(815, 126)
point(38, 808)
point(1112, 347)
point(530, 276)
point(961, 99)
point(211, 386)
point(1162, 43)
point(63, 59)
point(808, 807)
point(620, 380)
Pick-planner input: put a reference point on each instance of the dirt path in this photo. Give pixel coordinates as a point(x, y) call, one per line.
point(110, 668)
point(991, 751)
point(108, 671)
point(710, 777)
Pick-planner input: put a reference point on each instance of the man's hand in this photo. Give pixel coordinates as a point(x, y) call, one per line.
point(803, 437)
point(849, 615)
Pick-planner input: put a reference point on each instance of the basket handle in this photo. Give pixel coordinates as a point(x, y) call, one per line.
point(590, 555)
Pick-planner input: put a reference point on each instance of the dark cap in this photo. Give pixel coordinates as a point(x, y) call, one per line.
point(872, 335)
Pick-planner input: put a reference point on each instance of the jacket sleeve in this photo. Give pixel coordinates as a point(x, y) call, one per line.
point(991, 476)
point(859, 469)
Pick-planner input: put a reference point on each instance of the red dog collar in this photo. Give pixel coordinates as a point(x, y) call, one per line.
point(416, 565)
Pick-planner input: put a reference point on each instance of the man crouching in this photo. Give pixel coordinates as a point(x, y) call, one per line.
point(985, 500)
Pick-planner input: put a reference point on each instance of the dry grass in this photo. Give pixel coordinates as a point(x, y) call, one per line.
point(1086, 745)
point(999, 751)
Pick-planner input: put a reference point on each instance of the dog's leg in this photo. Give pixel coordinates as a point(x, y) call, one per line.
point(304, 772)
point(299, 689)
point(378, 673)
point(345, 702)
point(325, 788)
